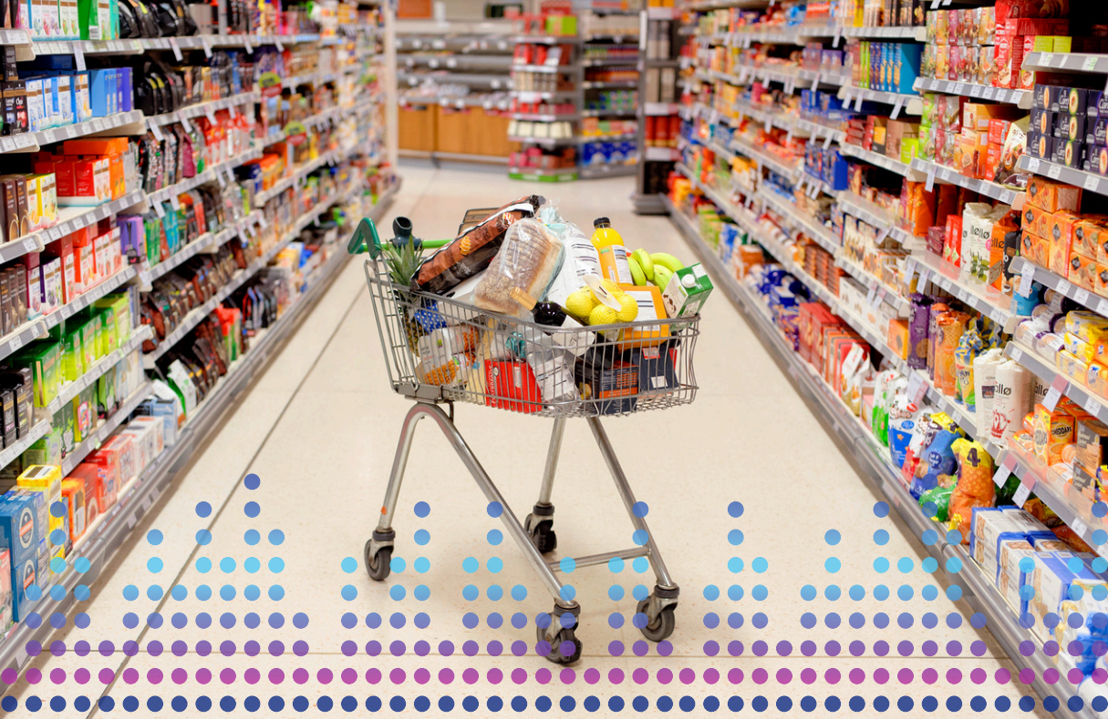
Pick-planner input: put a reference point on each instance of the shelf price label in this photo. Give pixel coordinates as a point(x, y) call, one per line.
point(1054, 171)
point(1004, 471)
point(1027, 277)
point(1057, 388)
point(930, 186)
point(1024, 491)
point(897, 106)
point(1064, 287)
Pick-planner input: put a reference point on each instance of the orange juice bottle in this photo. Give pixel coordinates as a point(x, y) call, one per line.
point(613, 255)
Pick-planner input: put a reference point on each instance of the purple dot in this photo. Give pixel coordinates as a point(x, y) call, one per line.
point(495, 648)
point(252, 648)
point(615, 648)
point(470, 648)
point(1051, 648)
point(130, 648)
point(568, 648)
point(640, 648)
point(34, 648)
point(784, 649)
point(422, 648)
point(203, 648)
point(106, 648)
point(446, 648)
point(978, 648)
point(832, 648)
point(711, 647)
point(227, 676)
point(954, 648)
point(664, 648)
point(373, 647)
point(57, 648)
point(82, 648)
point(808, 648)
point(179, 648)
point(519, 648)
point(881, 648)
point(930, 648)
point(857, 648)
point(735, 648)
point(300, 648)
point(276, 648)
point(905, 648)
point(397, 648)
point(227, 648)
point(759, 648)
point(154, 648)
point(543, 648)
point(276, 676)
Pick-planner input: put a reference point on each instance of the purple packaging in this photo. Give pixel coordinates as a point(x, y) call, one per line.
point(938, 307)
point(1097, 103)
point(132, 238)
point(919, 322)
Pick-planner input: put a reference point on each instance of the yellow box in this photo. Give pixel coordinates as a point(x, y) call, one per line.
point(651, 307)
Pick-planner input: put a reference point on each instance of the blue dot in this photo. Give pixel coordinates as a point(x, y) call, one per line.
point(276, 592)
point(640, 537)
point(58, 537)
point(734, 620)
point(349, 592)
point(881, 509)
point(882, 537)
point(857, 592)
point(276, 537)
point(832, 592)
point(227, 565)
point(81, 592)
point(953, 592)
point(832, 537)
point(954, 537)
point(252, 592)
point(639, 509)
point(495, 564)
point(711, 592)
point(203, 592)
point(640, 564)
point(881, 565)
point(422, 509)
point(422, 620)
point(422, 565)
point(203, 537)
point(880, 592)
point(954, 565)
point(130, 620)
point(130, 592)
point(615, 564)
point(905, 565)
point(154, 592)
point(905, 592)
point(252, 537)
point(735, 537)
point(833, 620)
point(203, 509)
point(495, 537)
point(567, 565)
point(495, 509)
point(615, 592)
point(57, 592)
point(1100, 509)
point(929, 565)
point(711, 620)
point(808, 620)
point(495, 592)
point(734, 592)
point(760, 592)
point(735, 509)
point(203, 565)
point(82, 565)
point(470, 565)
point(422, 537)
point(226, 592)
point(470, 620)
point(252, 509)
point(470, 593)
point(252, 481)
point(832, 565)
point(808, 592)
point(519, 592)
point(640, 592)
point(277, 565)
point(735, 565)
point(930, 592)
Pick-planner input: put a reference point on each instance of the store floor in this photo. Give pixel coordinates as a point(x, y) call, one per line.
point(319, 430)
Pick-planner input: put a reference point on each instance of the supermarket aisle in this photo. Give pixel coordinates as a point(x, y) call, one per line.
point(268, 609)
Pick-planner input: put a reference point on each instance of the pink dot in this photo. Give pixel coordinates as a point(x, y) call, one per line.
point(179, 676)
point(81, 676)
point(34, 676)
point(349, 676)
point(930, 676)
point(1100, 675)
point(519, 676)
point(227, 676)
point(665, 676)
point(57, 675)
point(154, 676)
point(857, 676)
point(446, 676)
point(808, 675)
point(1027, 675)
point(1051, 676)
point(735, 676)
point(324, 676)
point(301, 675)
point(687, 676)
point(592, 675)
point(373, 676)
point(543, 676)
point(397, 676)
point(953, 676)
point(881, 675)
point(711, 675)
point(905, 676)
point(615, 676)
point(640, 676)
point(250, 676)
point(105, 676)
point(203, 675)
point(495, 676)
point(1003, 676)
point(130, 675)
point(1074, 675)
point(9, 676)
point(759, 675)
point(784, 676)
point(832, 676)
point(470, 676)
point(422, 675)
point(567, 676)
point(276, 676)
point(978, 676)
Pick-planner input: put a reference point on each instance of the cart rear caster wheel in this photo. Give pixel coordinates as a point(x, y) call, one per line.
point(543, 535)
point(379, 566)
point(555, 655)
point(662, 626)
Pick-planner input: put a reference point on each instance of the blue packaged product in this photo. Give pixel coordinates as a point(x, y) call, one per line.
point(101, 91)
point(19, 534)
point(936, 461)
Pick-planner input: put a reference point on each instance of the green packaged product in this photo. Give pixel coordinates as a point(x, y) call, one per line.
point(940, 497)
point(45, 359)
point(105, 393)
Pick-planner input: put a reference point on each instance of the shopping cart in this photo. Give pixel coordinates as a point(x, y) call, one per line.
point(613, 370)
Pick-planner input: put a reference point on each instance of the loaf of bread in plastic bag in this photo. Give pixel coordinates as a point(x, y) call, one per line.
point(472, 251)
point(528, 259)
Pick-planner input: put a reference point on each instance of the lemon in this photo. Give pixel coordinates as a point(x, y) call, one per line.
point(612, 286)
point(580, 303)
point(630, 308)
point(602, 315)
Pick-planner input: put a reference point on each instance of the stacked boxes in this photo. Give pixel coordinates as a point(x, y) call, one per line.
point(885, 66)
point(960, 45)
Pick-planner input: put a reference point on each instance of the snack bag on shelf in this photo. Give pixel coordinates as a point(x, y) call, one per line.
point(937, 464)
point(975, 485)
point(940, 498)
point(969, 347)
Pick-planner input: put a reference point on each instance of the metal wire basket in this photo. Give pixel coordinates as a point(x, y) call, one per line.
point(441, 350)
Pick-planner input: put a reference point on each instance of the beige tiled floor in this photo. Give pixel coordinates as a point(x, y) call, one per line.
point(319, 429)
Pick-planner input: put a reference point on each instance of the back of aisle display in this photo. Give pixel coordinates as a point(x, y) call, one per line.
point(943, 277)
point(164, 220)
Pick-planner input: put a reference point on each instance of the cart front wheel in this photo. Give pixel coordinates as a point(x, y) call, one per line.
point(558, 646)
point(543, 535)
point(378, 566)
point(662, 626)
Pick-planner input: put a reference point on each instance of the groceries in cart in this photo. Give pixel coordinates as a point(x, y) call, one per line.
point(524, 311)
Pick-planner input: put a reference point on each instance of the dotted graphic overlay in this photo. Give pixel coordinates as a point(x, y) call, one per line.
point(400, 646)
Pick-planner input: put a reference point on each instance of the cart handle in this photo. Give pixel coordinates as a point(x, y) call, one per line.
point(366, 239)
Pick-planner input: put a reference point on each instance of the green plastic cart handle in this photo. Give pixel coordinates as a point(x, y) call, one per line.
point(366, 239)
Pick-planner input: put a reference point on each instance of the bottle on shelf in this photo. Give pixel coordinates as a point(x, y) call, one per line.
point(613, 254)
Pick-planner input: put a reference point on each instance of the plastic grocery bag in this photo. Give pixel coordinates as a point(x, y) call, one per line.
point(528, 259)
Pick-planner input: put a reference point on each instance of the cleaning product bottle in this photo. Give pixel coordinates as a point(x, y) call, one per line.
point(613, 255)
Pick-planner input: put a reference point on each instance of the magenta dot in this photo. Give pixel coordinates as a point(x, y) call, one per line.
point(687, 676)
point(154, 676)
point(1026, 675)
point(1051, 676)
point(1100, 675)
point(929, 676)
point(759, 676)
point(592, 675)
point(57, 675)
point(81, 676)
point(567, 676)
point(978, 676)
point(832, 676)
point(711, 675)
point(881, 675)
point(470, 676)
point(422, 675)
point(252, 676)
point(543, 676)
point(34, 676)
point(735, 676)
point(446, 676)
point(905, 676)
point(227, 676)
point(640, 676)
point(857, 676)
point(784, 676)
point(324, 676)
point(519, 676)
point(373, 676)
point(276, 676)
point(494, 676)
point(130, 675)
point(301, 675)
point(105, 676)
point(1003, 676)
point(397, 676)
point(179, 676)
point(1074, 675)
point(808, 675)
point(9, 676)
point(203, 675)
point(953, 676)
point(615, 676)
point(665, 676)
point(349, 676)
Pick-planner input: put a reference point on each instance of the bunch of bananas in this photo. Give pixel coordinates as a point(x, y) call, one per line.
point(655, 269)
point(586, 307)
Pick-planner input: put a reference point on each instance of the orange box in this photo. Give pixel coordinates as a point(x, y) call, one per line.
point(993, 153)
point(1036, 221)
point(998, 130)
point(1082, 272)
point(966, 156)
point(1050, 196)
point(1059, 256)
point(1101, 285)
point(1061, 225)
point(976, 115)
point(898, 337)
point(1089, 236)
